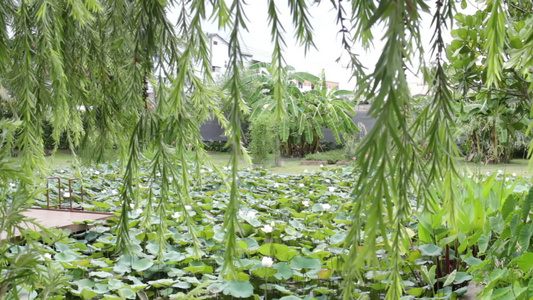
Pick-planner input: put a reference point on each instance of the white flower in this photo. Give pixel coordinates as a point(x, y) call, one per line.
point(267, 228)
point(305, 203)
point(321, 165)
point(114, 192)
point(176, 215)
point(157, 174)
point(139, 211)
point(514, 174)
point(273, 224)
point(61, 171)
point(66, 195)
point(11, 184)
point(507, 179)
point(276, 185)
point(132, 206)
point(47, 256)
point(97, 172)
point(202, 171)
point(210, 170)
point(91, 170)
point(188, 207)
point(326, 206)
point(267, 262)
point(170, 179)
point(251, 214)
point(305, 171)
point(301, 185)
point(104, 191)
point(500, 172)
point(331, 189)
point(215, 202)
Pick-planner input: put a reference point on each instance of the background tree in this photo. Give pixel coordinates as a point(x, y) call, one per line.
point(307, 112)
point(493, 118)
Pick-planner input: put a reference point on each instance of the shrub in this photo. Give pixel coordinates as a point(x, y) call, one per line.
point(263, 132)
point(331, 157)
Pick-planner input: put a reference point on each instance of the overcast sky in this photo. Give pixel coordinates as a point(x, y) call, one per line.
point(326, 37)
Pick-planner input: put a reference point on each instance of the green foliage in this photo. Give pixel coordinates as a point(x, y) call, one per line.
point(492, 117)
point(264, 135)
point(331, 157)
point(307, 113)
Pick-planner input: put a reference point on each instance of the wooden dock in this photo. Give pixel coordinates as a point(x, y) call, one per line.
point(61, 219)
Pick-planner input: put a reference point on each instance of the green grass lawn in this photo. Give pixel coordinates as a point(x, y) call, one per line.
point(63, 158)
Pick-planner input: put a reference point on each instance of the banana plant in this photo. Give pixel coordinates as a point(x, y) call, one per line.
point(308, 112)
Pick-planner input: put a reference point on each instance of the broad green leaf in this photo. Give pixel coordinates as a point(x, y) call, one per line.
point(301, 262)
point(142, 264)
point(430, 250)
point(450, 278)
point(239, 289)
point(525, 262)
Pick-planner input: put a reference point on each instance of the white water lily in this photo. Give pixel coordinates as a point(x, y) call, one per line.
point(157, 174)
point(11, 184)
point(48, 256)
point(91, 170)
point(188, 207)
point(305, 203)
point(114, 192)
point(514, 174)
point(267, 262)
point(305, 171)
point(176, 215)
point(139, 211)
point(326, 206)
point(66, 195)
point(61, 171)
point(170, 179)
point(301, 185)
point(251, 214)
point(331, 189)
point(500, 172)
point(321, 165)
point(267, 228)
point(276, 185)
point(97, 172)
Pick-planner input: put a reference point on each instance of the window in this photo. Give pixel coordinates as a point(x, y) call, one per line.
point(215, 43)
point(312, 86)
point(300, 85)
point(213, 68)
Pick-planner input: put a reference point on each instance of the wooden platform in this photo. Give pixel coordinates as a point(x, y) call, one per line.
point(61, 219)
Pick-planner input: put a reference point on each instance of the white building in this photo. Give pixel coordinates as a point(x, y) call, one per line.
point(220, 56)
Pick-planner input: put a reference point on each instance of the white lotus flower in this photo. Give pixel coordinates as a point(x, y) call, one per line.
point(139, 211)
point(514, 174)
point(305, 171)
point(202, 171)
point(66, 195)
point(331, 189)
point(158, 174)
point(170, 179)
point(11, 184)
point(188, 207)
point(176, 215)
point(251, 214)
point(500, 172)
point(276, 185)
point(97, 172)
point(321, 165)
point(305, 203)
point(326, 206)
point(267, 262)
point(273, 224)
point(48, 256)
point(61, 171)
point(507, 179)
point(114, 192)
point(301, 185)
point(267, 228)
point(91, 170)
point(132, 206)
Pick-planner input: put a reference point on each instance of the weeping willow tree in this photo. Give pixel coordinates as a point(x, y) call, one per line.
point(86, 67)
